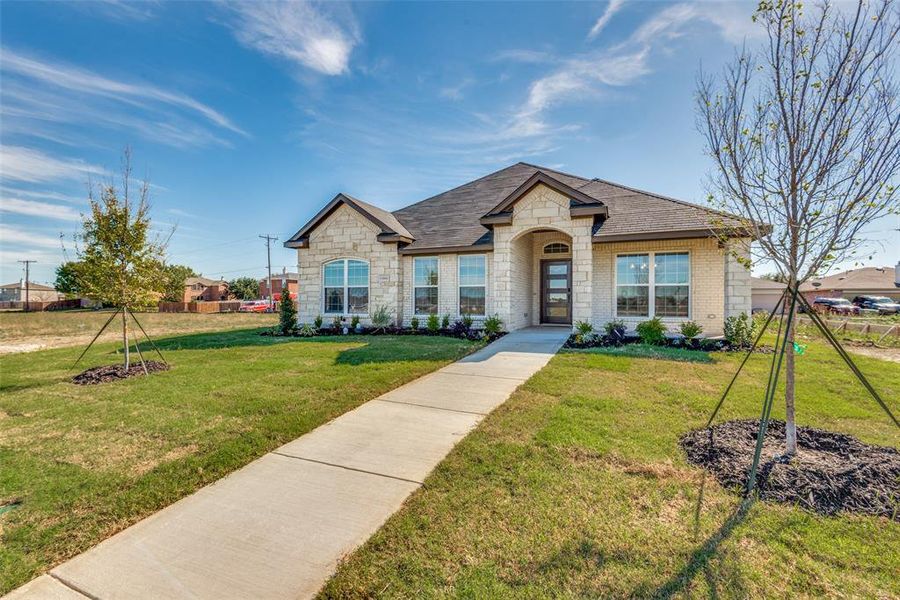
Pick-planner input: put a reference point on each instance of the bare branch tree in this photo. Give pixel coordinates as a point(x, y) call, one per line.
point(805, 136)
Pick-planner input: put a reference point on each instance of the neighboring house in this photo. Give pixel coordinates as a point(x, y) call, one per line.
point(530, 244)
point(204, 289)
point(765, 293)
point(15, 292)
point(866, 281)
point(279, 281)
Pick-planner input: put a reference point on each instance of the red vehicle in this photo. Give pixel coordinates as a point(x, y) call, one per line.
point(258, 306)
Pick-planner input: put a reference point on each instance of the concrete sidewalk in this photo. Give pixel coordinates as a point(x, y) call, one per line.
point(278, 527)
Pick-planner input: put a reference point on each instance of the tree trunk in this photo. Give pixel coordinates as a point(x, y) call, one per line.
point(125, 337)
point(790, 425)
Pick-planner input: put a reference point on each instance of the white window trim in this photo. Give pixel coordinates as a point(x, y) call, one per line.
point(568, 248)
point(459, 287)
point(344, 312)
point(436, 286)
point(651, 285)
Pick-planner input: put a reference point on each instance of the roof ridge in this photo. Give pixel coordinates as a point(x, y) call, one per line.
point(669, 198)
point(540, 168)
point(462, 185)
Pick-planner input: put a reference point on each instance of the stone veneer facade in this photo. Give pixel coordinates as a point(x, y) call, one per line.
point(720, 285)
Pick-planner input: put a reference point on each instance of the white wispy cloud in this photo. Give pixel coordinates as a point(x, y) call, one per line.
point(320, 37)
point(18, 163)
point(24, 237)
point(44, 210)
point(18, 192)
point(612, 8)
point(456, 92)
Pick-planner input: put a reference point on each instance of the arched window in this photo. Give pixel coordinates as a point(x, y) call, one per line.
point(346, 283)
point(556, 248)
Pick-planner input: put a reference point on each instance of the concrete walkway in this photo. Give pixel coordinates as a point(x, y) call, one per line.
point(278, 527)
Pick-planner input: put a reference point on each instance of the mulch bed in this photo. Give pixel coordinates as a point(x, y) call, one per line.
point(831, 472)
point(115, 372)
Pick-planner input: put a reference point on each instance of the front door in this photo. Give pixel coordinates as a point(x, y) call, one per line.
point(556, 291)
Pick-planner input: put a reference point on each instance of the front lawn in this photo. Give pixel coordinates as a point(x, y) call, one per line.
point(576, 487)
point(87, 461)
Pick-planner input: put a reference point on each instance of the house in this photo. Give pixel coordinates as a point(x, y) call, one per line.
point(205, 289)
point(765, 293)
point(530, 244)
point(866, 281)
point(279, 282)
point(15, 292)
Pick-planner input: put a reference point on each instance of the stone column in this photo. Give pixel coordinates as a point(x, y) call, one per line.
point(582, 269)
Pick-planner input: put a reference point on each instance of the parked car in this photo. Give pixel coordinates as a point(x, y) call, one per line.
point(883, 304)
point(839, 306)
point(259, 306)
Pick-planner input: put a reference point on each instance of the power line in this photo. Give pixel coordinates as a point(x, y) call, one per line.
point(269, 239)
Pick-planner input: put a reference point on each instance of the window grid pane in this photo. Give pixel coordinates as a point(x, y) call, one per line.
point(358, 300)
point(633, 301)
point(334, 300)
point(471, 270)
point(633, 269)
point(357, 273)
point(471, 300)
point(334, 274)
point(671, 300)
point(426, 302)
point(556, 248)
point(426, 271)
point(671, 268)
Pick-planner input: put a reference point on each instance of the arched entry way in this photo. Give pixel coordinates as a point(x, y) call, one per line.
point(541, 277)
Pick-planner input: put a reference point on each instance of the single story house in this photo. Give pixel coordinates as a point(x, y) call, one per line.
point(16, 292)
point(205, 290)
point(530, 244)
point(866, 281)
point(765, 293)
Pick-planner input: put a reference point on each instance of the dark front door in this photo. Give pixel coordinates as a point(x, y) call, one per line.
point(556, 291)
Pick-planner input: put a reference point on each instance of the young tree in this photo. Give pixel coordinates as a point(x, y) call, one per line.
point(67, 279)
point(804, 135)
point(175, 276)
point(244, 288)
point(287, 317)
point(121, 265)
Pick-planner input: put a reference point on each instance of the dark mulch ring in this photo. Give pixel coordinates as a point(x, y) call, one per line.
point(831, 472)
point(115, 372)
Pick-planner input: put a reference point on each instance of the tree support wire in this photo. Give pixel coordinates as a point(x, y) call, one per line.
point(149, 339)
point(137, 345)
point(102, 329)
point(782, 339)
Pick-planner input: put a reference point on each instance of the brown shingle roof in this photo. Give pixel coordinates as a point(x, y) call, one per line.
point(36, 287)
point(865, 278)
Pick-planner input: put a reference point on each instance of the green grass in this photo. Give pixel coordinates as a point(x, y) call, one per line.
point(576, 487)
point(648, 351)
point(87, 461)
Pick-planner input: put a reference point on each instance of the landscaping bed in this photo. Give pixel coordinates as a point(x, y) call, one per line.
point(831, 472)
point(108, 373)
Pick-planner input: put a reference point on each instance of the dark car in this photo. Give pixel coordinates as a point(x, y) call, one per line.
point(840, 306)
point(883, 304)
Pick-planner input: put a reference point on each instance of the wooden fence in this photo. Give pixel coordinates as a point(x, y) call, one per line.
point(864, 327)
point(201, 307)
point(42, 306)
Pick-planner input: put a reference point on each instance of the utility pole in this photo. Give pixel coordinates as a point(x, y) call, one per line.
point(27, 286)
point(269, 239)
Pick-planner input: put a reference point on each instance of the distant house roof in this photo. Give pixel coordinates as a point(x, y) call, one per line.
point(290, 276)
point(461, 218)
point(865, 278)
point(203, 281)
point(31, 286)
point(761, 283)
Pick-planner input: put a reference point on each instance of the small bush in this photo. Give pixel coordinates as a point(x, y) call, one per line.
point(652, 332)
point(460, 328)
point(445, 322)
point(287, 317)
point(739, 330)
point(583, 328)
point(467, 321)
point(433, 324)
point(382, 317)
point(337, 323)
point(317, 323)
point(691, 329)
point(307, 330)
point(414, 323)
point(493, 325)
point(615, 330)
point(354, 322)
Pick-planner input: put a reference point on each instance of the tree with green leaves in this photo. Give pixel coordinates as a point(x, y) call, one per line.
point(244, 288)
point(287, 314)
point(121, 265)
point(67, 279)
point(805, 137)
point(175, 276)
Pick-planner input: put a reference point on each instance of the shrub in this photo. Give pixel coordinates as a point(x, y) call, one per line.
point(354, 322)
point(583, 328)
point(414, 323)
point(467, 321)
point(337, 323)
point(615, 330)
point(460, 328)
point(433, 323)
point(652, 332)
point(382, 317)
point(493, 325)
point(445, 322)
point(318, 322)
point(739, 330)
point(287, 315)
point(307, 330)
point(691, 329)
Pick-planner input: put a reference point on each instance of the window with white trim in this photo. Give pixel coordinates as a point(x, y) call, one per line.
point(556, 248)
point(425, 285)
point(346, 284)
point(472, 288)
point(653, 284)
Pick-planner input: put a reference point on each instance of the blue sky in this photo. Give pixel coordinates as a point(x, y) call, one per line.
point(248, 117)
